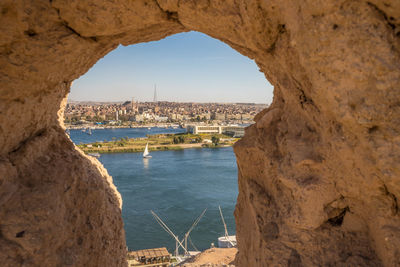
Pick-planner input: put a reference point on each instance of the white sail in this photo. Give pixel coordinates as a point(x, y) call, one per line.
point(146, 153)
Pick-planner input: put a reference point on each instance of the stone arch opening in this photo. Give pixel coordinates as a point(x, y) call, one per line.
point(148, 233)
point(318, 172)
point(182, 210)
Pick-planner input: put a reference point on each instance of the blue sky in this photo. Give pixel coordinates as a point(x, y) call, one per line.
point(186, 67)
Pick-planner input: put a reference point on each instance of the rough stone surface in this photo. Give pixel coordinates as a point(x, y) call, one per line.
point(213, 257)
point(318, 173)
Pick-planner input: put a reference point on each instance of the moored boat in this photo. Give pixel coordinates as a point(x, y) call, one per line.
point(226, 241)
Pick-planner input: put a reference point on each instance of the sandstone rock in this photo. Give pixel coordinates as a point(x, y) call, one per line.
point(318, 173)
point(213, 257)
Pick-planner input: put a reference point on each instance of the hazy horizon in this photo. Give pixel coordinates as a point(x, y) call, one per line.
point(187, 68)
point(161, 101)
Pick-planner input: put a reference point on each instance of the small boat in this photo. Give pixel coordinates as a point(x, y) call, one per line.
point(146, 153)
point(226, 241)
point(181, 243)
point(89, 131)
point(96, 155)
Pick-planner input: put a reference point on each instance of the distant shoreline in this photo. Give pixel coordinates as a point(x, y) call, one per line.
point(175, 147)
point(159, 142)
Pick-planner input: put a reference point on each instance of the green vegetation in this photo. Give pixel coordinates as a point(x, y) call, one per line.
point(215, 140)
point(159, 142)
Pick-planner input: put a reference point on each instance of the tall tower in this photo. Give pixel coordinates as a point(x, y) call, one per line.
point(155, 94)
point(134, 106)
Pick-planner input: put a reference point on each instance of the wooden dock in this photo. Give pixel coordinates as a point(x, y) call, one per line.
point(155, 257)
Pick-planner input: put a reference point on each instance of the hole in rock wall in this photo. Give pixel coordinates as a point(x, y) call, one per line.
point(152, 93)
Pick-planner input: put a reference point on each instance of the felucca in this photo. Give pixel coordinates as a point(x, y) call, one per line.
point(146, 153)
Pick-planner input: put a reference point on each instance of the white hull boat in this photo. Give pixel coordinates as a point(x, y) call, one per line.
point(227, 241)
point(146, 153)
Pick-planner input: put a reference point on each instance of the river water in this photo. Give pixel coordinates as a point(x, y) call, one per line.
point(108, 134)
point(177, 185)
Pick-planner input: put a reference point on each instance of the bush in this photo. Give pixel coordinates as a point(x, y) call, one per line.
point(97, 145)
point(215, 140)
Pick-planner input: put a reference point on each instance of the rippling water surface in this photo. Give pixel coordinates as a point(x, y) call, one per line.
point(177, 185)
point(99, 135)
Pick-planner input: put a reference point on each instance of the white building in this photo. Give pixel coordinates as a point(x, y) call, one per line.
point(161, 119)
point(199, 129)
point(234, 131)
point(139, 118)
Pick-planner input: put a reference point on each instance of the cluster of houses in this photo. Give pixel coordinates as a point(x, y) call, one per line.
point(161, 112)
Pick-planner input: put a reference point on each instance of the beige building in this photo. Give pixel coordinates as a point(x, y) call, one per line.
point(232, 130)
point(199, 129)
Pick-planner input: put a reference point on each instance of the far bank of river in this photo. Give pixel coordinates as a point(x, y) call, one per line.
point(159, 142)
point(139, 149)
point(108, 134)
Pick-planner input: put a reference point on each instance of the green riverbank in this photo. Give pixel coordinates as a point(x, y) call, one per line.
point(159, 142)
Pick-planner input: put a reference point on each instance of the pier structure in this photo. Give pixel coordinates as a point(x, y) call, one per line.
point(155, 257)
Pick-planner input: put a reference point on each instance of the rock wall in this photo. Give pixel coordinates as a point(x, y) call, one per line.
point(318, 173)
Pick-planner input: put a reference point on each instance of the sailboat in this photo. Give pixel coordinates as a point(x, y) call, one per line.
point(146, 153)
point(181, 243)
point(226, 241)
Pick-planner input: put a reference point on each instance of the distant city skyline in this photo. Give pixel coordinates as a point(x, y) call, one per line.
point(186, 67)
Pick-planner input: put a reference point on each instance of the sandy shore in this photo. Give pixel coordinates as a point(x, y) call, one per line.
point(213, 257)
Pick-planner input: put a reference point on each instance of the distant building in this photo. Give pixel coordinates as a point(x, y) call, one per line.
point(172, 116)
point(133, 106)
point(234, 131)
point(199, 129)
point(139, 118)
point(247, 117)
point(234, 116)
point(219, 116)
point(161, 119)
point(231, 130)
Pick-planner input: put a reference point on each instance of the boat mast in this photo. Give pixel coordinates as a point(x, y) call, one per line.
point(226, 229)
point(176, 248)
point(155, 94)
point(165, 227)
point(192, 227)
point(223, 221)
